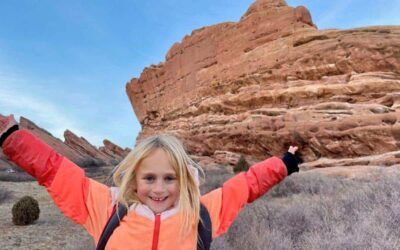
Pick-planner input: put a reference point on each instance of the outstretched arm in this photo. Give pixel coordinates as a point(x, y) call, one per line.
point(29, 152)
point(246, 187)
point(44, 163)
point(81, 199)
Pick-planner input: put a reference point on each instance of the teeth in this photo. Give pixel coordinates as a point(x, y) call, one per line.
point(158, 199)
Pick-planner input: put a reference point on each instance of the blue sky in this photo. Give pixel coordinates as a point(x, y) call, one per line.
point(64, 64)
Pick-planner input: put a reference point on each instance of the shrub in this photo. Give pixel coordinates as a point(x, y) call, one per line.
point(310, 183)
point(88, 162)
point(241, 165)
point(25, 211)
point(215, 178)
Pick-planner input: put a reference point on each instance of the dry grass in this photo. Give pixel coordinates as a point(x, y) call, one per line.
point(51, 231)
point(311, 211)
point(305, 211)
point(215, 177)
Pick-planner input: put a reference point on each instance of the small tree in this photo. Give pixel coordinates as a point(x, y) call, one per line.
point(241, 165)
point(25, 211)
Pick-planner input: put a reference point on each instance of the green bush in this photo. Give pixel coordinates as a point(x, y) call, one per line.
point(25, 211)
point(241, 165)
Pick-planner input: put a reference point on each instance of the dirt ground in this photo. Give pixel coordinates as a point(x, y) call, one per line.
point(51, 231)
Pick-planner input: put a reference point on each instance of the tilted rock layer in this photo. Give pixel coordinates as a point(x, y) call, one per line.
point(76, 149)
point(273, 79)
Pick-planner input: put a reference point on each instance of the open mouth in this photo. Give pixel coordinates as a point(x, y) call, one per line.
point(159, 199)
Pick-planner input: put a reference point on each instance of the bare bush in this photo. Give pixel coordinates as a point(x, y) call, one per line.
point(89, 162)
point(101, 174)
point(241, 165)
point(214, 178)
point(311, 211)
point(307, 184)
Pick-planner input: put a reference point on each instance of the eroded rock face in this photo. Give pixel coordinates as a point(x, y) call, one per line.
point(76, 149)
point(114, 150)
point(82, 146)
point(273, 79)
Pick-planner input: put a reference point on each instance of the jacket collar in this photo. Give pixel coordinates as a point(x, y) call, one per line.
point(144, 210)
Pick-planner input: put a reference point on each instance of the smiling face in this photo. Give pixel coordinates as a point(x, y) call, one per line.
point(157, 184)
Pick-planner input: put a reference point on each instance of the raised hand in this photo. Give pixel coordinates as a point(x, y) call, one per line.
point(291, 160)
point(293, 149)
point(6, 122)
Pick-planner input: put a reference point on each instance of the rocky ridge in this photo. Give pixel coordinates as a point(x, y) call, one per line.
point(272, 79)
point(75, 148)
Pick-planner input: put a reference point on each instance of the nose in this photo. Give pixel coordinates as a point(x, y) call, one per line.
point(159, 187)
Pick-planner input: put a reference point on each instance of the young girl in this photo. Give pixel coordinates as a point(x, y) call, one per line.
point(157, 180)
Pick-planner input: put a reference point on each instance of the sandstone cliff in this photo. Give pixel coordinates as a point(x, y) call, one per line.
point(255, 86)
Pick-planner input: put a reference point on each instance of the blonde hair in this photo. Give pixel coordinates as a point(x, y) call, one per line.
point(185, 168)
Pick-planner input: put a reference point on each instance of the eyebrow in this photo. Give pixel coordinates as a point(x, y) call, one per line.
point(152, 173)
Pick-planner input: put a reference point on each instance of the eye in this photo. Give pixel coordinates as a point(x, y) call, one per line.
point(170, 178)
point(149, 178)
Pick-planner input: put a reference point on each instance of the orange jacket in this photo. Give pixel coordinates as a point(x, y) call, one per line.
point(90, 203)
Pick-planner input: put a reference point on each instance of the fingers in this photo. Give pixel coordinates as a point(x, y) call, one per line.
point(6, 122)
point(293, 149)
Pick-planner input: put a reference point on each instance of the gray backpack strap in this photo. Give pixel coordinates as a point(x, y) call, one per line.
point(112, 223)
point(204, 229)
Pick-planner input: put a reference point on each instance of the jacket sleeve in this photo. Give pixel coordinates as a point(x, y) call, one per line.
point(83, 200)
point(34, 156)
point(225, 203)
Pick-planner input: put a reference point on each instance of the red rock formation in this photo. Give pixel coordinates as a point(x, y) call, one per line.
point(272, 79)
point(81, 145)
point(78, 150)
point(114, 150)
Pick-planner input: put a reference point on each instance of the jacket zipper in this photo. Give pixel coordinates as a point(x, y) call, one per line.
point(156, 232)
